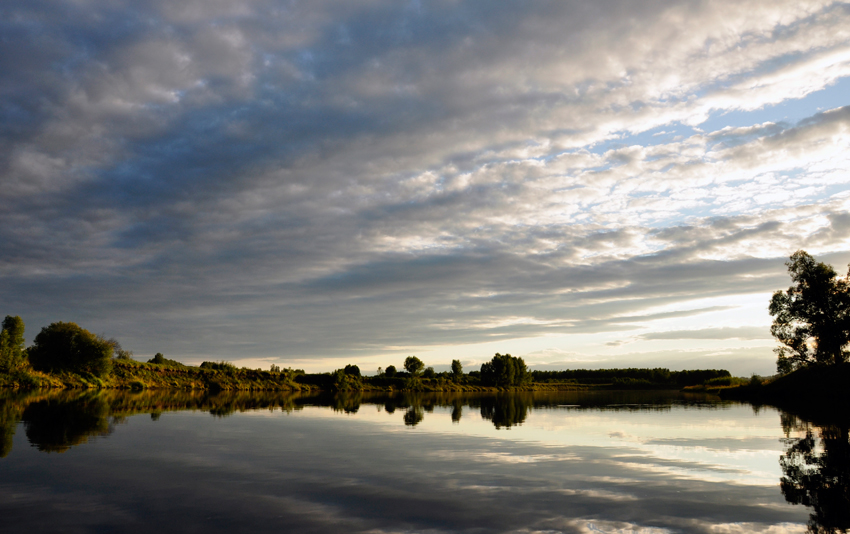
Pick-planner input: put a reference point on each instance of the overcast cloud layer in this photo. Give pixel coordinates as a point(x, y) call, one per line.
point(582, 183)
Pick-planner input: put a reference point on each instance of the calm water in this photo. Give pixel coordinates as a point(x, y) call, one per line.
point(570, 462)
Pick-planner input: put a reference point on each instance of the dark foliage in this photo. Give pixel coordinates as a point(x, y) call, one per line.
point(457, 368)
point(506, 411)
point(413, 365)
point(12, 353)
point(55, 426)
point(812, 318)
point(67, 347)
point(505, 371)
point(216, 366)
point(159, 359)
point(656, 377)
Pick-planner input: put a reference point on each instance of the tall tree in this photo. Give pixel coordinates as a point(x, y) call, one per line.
point(413, 365)
point(811, 318)
point(12, 354)
point(457, 368)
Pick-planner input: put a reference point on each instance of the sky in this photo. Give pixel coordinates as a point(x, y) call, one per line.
point(584, 184)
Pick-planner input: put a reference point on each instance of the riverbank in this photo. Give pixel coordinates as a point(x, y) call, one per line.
point(812, 391)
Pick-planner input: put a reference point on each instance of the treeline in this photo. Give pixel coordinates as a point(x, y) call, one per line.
point(66, 355)
point(657, 376)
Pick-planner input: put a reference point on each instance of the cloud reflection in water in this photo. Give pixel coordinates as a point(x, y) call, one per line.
point(563, 469)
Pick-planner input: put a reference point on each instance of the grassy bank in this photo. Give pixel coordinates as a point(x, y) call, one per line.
point(130, 374)
point(171, 375)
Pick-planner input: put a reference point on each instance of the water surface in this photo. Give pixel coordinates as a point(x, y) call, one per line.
point(647, 462)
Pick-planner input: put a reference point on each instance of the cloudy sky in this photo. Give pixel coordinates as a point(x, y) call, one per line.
point(586, 183)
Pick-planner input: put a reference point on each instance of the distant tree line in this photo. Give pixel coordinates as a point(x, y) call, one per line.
point(658, 376)
point(66, 347)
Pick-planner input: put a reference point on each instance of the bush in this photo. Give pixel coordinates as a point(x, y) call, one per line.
point(68, 347)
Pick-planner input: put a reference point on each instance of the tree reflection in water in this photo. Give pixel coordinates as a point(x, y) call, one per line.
point(816, 473)
point(55, 425)
point(506, 411)
point(55, 421)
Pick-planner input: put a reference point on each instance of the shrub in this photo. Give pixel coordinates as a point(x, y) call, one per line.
point(68, 347)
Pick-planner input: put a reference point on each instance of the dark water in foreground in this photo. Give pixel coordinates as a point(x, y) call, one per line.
point(605, 462)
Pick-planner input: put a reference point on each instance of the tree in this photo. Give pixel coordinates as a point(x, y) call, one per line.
point(390, 371)
point(413, 365)
point(505, 371)
point(68, 347)
point(118, 352)
point(429, 373)
point(812, 318)
point(12, 354)
point(457, 368)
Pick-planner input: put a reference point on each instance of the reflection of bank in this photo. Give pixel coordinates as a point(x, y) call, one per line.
point(816, 473)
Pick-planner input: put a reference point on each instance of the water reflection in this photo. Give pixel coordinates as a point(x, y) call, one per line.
point(56, 421)
point(415, 462)
point(816, 473)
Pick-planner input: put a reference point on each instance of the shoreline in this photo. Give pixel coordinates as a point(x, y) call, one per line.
point(140, 376)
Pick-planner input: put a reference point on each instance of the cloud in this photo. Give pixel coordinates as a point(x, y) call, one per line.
point(743, 332)
point(301, 180)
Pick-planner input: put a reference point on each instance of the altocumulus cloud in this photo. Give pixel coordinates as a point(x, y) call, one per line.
point(297, 181)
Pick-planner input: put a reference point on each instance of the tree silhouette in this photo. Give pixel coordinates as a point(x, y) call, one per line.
point(457, 368)
point(505, 370)
point(413, 365)
point(812, 318)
